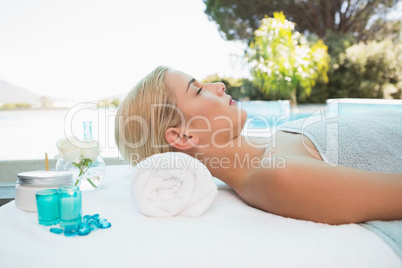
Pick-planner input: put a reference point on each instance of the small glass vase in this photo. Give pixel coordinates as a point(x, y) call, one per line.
point(90, 178)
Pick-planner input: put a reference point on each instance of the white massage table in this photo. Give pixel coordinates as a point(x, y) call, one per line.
point(229, 234)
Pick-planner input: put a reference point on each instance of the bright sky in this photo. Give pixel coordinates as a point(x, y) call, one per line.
point(89, 49)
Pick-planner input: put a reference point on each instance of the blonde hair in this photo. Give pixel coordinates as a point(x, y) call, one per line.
point(143, 117)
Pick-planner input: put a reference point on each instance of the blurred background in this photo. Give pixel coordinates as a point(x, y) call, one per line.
point(65, 62)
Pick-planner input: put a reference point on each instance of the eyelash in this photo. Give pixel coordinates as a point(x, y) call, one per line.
point(199, 91)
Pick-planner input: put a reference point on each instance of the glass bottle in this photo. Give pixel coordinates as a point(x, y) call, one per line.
point(87, 131)
point(96, 171)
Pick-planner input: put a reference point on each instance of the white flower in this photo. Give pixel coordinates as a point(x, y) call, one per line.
point(73, 150)
point(90, 150)
point(68, 151)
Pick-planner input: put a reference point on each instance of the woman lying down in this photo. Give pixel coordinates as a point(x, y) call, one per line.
point(345, 169)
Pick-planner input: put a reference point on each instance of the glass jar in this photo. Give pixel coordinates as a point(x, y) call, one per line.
point(48, 206)
point(89, 177)
point(70, 205)
point(88, 180)
point(30, 182)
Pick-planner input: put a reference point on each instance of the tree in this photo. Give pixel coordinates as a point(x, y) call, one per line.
point(238, 19)
point(364, 70)
point(384, 30)
point(282, 60)
point(371, 67)
point(105, 103)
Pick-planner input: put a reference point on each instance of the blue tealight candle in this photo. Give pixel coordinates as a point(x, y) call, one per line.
point(47, 202)
point(70, 205)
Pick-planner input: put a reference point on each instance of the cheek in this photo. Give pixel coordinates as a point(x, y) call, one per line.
point(203, 109)
point(197, 116)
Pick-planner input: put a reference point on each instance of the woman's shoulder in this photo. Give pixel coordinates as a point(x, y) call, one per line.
point(276, 169)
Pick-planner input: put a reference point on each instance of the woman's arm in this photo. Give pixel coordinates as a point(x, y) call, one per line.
point(310, 189)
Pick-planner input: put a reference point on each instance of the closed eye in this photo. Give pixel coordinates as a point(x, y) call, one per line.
point(198, 92)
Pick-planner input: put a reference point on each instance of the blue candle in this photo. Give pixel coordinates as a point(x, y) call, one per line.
point(47, 202)
point(70, 205)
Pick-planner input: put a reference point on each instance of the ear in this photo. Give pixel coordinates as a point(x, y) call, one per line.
point(179, 140)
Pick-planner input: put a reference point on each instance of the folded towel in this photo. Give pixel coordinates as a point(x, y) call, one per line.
point(389, 231)
point(369, 141)
point(171, 184)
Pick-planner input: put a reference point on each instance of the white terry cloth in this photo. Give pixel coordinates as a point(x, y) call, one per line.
point(369, 141)
point(229, 234)
point(171, 184)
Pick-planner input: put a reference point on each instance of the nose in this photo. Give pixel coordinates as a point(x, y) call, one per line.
point(219, 88)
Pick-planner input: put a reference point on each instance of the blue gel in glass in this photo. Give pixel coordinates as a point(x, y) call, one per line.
point(70, 205)
point(47, 202)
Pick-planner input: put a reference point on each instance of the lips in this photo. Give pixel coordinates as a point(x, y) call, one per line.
point(231, 101)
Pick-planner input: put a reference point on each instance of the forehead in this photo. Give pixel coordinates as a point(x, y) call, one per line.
point(177, 81)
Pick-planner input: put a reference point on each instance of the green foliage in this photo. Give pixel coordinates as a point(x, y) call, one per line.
point(18, 105)
point(382, 29)
point(363, 70)
point(116, 102)
point(338, 42)
point(372, 65)
point(282, 60)
point(23, 105)
point(238, 19)
point(378, 61)
point(357, 70)
point(106, 103)
point(8, 106)
point(367, 70)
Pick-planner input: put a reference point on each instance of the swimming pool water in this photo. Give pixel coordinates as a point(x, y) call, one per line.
point(264, 115)
point(267, 114)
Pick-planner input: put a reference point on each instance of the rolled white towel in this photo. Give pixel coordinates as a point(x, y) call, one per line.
point(171, 184)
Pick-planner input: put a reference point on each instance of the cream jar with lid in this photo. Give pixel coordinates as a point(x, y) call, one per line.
point(30, 182)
